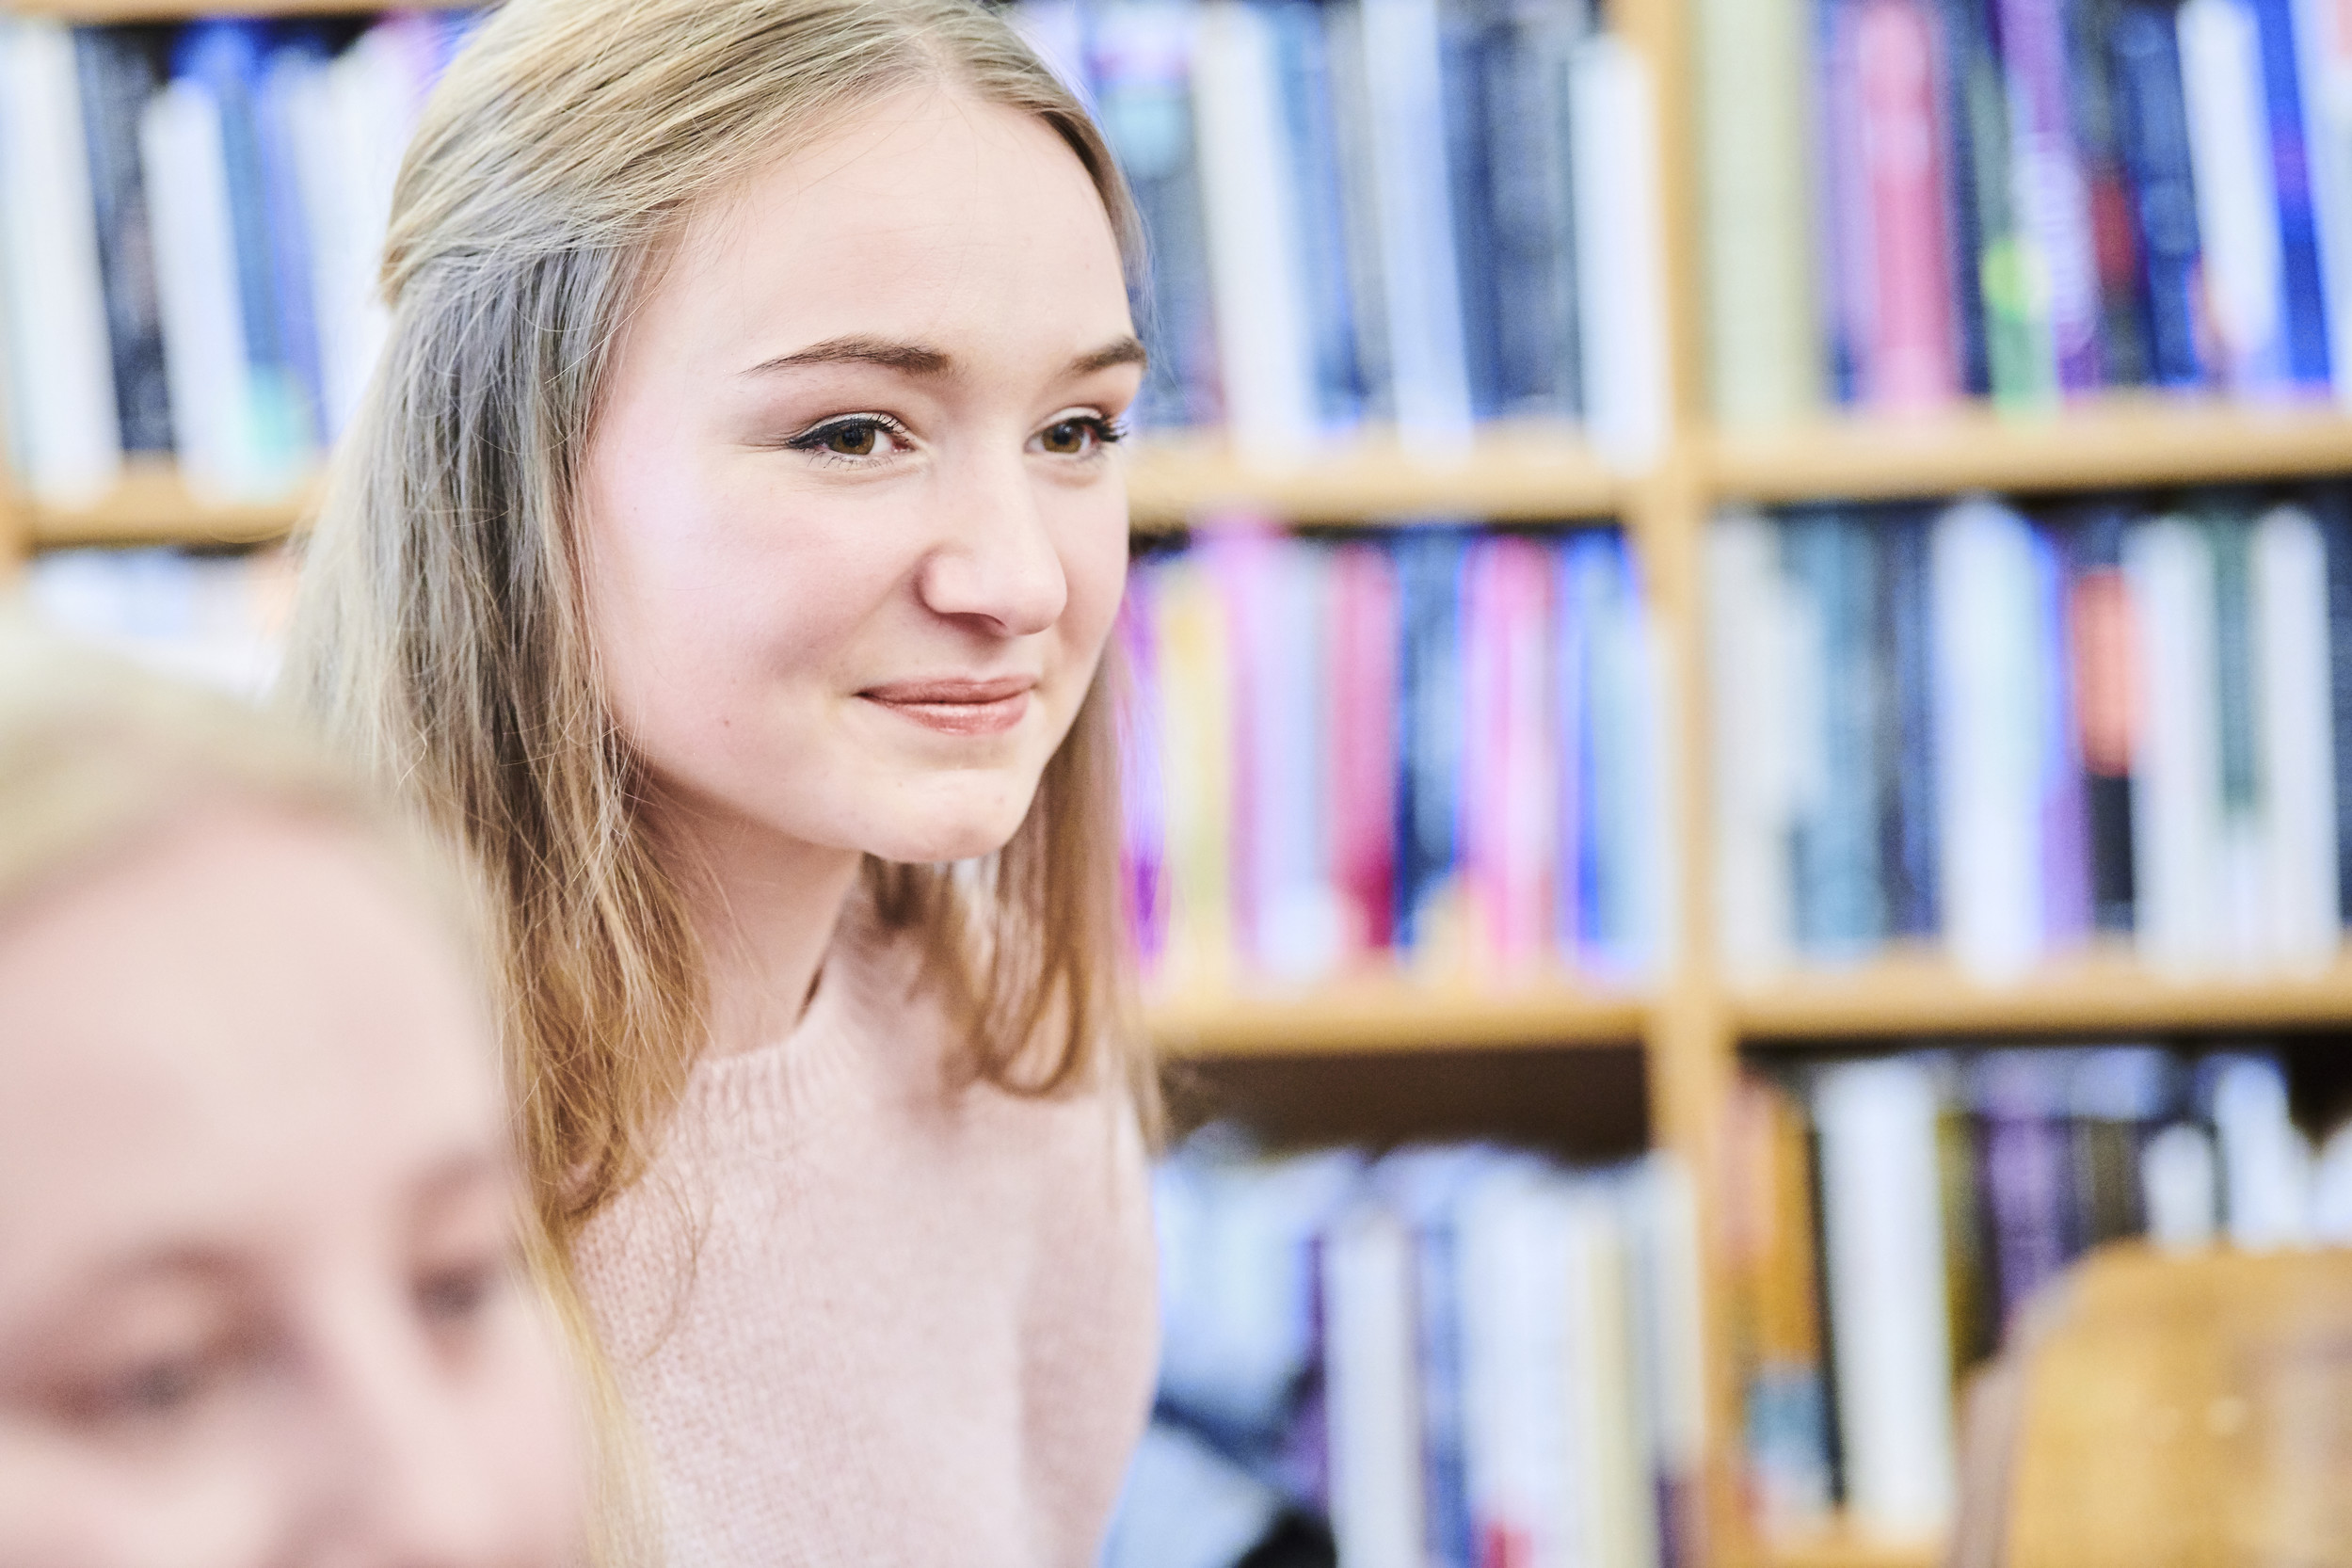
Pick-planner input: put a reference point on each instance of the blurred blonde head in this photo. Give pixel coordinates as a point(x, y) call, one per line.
point(264, 1287)
point(440, 634)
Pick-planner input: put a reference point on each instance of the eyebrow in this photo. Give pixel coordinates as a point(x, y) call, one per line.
point(915, 359)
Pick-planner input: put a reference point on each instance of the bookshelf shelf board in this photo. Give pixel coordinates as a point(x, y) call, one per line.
point(2116, 442)
point(1529, 472)
point(1390, 1014)
point(2106, 994)
point(187, 10)
point(151, 506)
point(1851, 1548)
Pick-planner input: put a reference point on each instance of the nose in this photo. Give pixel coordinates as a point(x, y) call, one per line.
point(996, 562)
point(410, 1468)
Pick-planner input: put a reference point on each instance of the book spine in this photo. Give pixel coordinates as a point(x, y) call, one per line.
point(1748, 656)
point(2090, 57)
point(1958, 46)
point(117, 76)
point(1304, 74)
point(1910, 358)
point(1364, 743)
point(1755, 59)
point(1143, 771)
point(1359, 205)
point(1198, 739)
point(2302, 282)
point(2026, 1167)
point(1828, 560)
point(2151, 130)
point(2047, 174)
point(2237, 208)
point(2243, 895)
point(2102, 642)
point(2335, 522)
point(204, 360)
point(2020, 358)
point(2176, 771)
point(1430, 584)
point(1531, 225)
point(276, 87)
point(2324, 45)
point(1619, 260)
point(1906, 727)
point(2066, 873)
point(1468, 44)
point(1370, 1379)
point(2295, 734)
point(1572, 768)
point(1849, 278)
point(1785, 1418)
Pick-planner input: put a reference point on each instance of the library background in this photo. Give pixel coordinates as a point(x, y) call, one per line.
point(1743, 613)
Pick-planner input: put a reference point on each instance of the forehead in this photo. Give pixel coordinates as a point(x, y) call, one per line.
point(244, 1014)
point(928, 212)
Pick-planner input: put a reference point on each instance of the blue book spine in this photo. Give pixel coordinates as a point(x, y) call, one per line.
point(118, 72)
point(1827, 557)
point(1468, 34)
point(2066, 872)
point(2123, 347)
point(1907, 858)
point(1428, 573)
point(2152, 133)
point(289, 226)
point(1571, 737)
point(1306, 106)
point(1531, 222)
point(2333, 510)
point(1955, 37)
point(2303, 291)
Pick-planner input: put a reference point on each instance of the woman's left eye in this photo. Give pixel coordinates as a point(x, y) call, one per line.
point(1079, 435)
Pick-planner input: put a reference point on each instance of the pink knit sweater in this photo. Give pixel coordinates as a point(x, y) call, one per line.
point(865, 1317)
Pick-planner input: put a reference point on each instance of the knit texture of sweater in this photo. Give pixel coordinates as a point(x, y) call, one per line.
point(864, 1313)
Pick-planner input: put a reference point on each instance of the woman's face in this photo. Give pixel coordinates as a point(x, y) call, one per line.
point(259, 1301)
point(853, 534)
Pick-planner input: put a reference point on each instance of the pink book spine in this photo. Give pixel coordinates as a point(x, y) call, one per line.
point(1522, 835)
point(1236, 557)
point(1912, 359)
point(1362, 693)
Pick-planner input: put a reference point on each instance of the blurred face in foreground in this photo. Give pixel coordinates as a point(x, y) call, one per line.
point(260, 1301)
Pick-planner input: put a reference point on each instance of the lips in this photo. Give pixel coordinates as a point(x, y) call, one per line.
point(957, 706)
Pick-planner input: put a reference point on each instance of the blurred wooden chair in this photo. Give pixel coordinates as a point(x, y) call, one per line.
point(2165, 1411)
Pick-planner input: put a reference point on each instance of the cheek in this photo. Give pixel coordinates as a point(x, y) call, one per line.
point(73, 1503)
point(1095, 566)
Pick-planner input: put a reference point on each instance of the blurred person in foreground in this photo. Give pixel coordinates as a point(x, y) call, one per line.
point(262, 1294)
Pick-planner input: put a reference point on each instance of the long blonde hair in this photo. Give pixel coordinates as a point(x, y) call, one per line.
point(439, 632)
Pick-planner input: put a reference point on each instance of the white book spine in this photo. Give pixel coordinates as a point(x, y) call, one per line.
point(2176, 792)
point(1618, 1502)
point(1751, 728)
point(1428, 357)
point(1985, 641)
point(196, 291)
point(1517, 1455)
point(1370, 1385)
point(2294, 728)
point(2265, 1164)
point(1299, 916)
point(2181, 1185)
point(64, 394)
point(1620, 263)
point(2323, 47)
point(1883, 1233)
point(2237, 199)
point(1251, 221)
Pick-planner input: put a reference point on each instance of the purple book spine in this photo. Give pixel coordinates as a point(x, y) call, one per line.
point(2046, 180)
point(2066, 909)
point(2026, 1172)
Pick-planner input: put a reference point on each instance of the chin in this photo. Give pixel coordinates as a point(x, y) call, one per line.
point(963, 830)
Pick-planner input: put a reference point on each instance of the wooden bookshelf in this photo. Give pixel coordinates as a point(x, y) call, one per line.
point(1849, 1548)
point(2106, 993)
point(1389, 1014)
point(1513, 473)
point(2115, 442)
point(152, 504)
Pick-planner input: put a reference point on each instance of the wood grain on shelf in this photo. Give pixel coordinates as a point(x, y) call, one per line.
point(2114, 443)
point(1849, 1548)
point(1387, 1014)
point(151, 506)
point(1523, 472)
point(2106, 994)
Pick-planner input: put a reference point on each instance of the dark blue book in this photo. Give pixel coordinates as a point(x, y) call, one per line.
point(1467, 33)
point(1430, 743)
point(2332, 507)
point(120, 68)
point(2303, 291)
point(1312, 136)
point(2151, 135)
point(1964, 61)
point(1828, 557)
point(1141, 69)
point(2122, 345)
point(1908, 845)
point(1533, 218)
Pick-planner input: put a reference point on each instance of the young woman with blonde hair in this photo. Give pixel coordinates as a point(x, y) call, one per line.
point(726, 554)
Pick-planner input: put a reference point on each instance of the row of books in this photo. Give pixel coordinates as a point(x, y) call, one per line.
point(220, 619)
point(1892, 1217)
point(1458, 1356)
point(1913, 200)
point(197, 218)
point(2017, 733)
point(1436, 746)
point(1422, 213)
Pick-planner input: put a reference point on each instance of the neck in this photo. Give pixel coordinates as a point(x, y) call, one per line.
point(764, 907)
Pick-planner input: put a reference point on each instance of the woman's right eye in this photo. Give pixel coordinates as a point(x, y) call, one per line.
point(853, 438)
